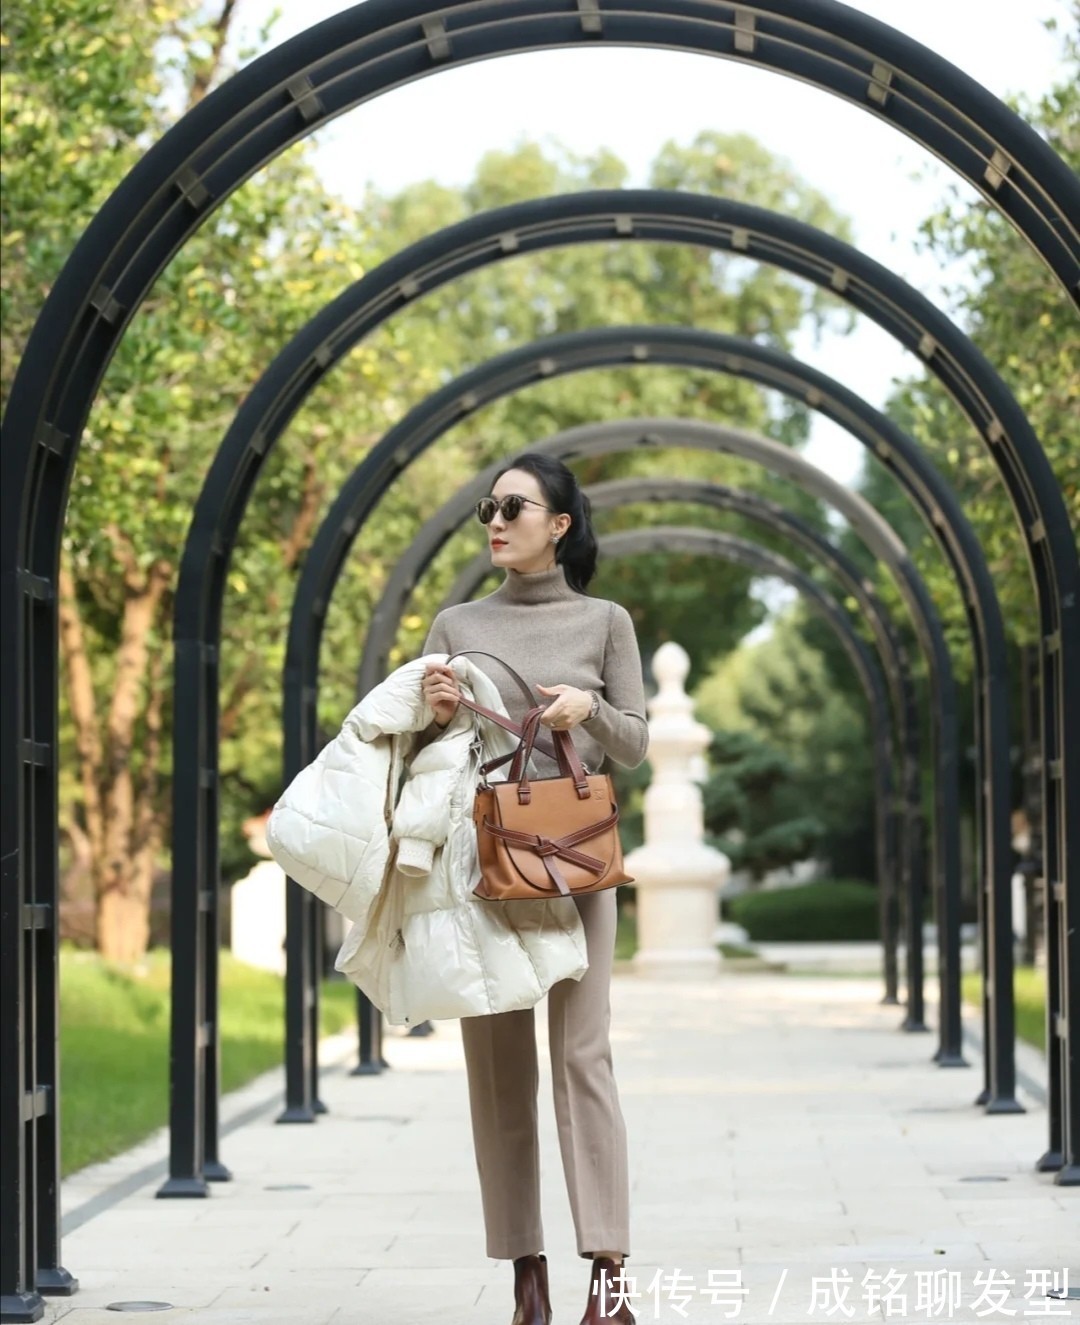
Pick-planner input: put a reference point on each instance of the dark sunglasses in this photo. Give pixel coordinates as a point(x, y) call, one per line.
point(509, 507)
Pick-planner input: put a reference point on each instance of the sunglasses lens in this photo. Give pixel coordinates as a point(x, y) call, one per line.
point(487, 506)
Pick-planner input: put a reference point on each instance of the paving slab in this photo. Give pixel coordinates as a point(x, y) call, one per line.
point(794, 1157)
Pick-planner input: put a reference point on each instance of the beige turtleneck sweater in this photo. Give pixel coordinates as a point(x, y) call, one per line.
point(551, 635)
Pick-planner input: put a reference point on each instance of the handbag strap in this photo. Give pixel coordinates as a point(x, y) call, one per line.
point(530, 698)
point(568, 759)
point(563, 751)
point(542, 744)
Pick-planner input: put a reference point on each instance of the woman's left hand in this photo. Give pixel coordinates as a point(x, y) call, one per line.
point(569, 708)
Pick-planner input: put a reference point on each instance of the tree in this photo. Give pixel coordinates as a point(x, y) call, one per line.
point(168, 394)
point(804, 736)
point(753, 805)
point(1026, 326)
point(86, 90)
point(82, 87)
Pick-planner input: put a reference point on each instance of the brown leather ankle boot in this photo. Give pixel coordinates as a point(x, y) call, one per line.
point(531, 1304)
point(603, 1296)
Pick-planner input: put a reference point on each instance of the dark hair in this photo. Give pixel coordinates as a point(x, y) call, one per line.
point(576, 550)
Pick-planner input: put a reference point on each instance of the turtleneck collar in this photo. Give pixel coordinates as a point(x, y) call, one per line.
point(542, 586)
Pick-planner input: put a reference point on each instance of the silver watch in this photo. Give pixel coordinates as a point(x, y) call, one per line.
point(595, 709)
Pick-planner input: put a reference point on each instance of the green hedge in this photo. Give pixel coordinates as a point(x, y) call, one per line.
point(811, 912)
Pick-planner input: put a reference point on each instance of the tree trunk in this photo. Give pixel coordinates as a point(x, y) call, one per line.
point(123, 920)
point(205, 74)
point(124, 852)
point(77, 907)
point(83, 706)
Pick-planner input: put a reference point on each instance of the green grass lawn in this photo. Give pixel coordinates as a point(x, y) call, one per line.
point(114, 1044)
point(1029, 987)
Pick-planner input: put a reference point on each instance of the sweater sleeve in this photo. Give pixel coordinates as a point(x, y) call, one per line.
point(621, 726)
point(437, 638)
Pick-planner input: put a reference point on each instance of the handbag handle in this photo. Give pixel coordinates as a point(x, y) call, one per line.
point(543, 745)
point(530, 697)
point(568, 758)
point(564, 752)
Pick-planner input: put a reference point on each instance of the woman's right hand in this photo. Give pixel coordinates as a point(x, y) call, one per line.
point(441, 691)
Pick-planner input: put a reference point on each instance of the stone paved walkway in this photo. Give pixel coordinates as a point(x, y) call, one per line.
point(781, 1130)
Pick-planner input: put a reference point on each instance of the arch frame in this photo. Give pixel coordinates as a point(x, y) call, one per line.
point(149, 217)
point(558, 355)
point(647, 215)
point(542, 360)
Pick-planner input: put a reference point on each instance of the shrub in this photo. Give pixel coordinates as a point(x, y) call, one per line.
point(813, 912)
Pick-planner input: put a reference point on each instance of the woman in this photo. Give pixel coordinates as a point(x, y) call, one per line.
point(582, 653)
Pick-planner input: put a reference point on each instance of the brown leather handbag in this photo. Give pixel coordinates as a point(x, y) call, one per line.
point(539, 838)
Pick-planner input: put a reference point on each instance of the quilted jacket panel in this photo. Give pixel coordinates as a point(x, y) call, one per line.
point(420, 945)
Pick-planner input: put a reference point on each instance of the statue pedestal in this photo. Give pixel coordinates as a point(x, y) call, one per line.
point(677, 876)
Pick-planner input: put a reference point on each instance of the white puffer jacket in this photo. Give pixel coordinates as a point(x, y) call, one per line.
point(421, 945)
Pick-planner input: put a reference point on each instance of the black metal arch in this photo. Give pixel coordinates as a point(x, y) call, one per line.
point(895, 664)
point(572, 353)
point(424, 425)
point(196, 659)
point(674, 217)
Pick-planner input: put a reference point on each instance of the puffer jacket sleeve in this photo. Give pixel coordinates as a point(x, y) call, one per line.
point(422, 815)
point(327, 830)
point(421, 820)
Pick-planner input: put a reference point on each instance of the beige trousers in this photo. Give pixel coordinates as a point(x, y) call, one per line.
point(503, 1074)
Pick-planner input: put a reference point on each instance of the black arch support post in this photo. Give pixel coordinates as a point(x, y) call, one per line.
point(282, 97)
point(893, 871)
point(712, 223)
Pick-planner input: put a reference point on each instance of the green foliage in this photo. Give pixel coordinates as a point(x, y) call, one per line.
point(114, 1044)
point(87, 87)
point(1026, 326)
point(781, 693)
point(625, 929)
point(821, 912)
point(630, 787)
point(753, 805)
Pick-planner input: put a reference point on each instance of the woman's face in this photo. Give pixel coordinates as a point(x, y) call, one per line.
point(524, 543)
